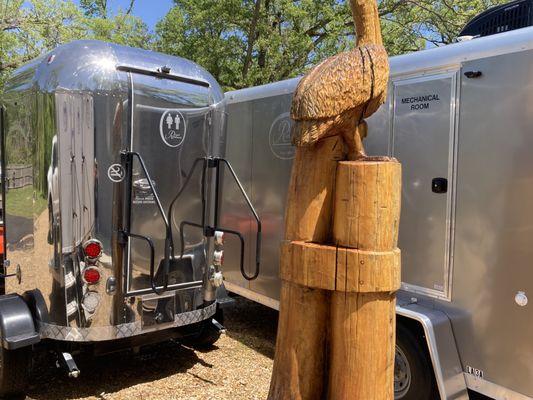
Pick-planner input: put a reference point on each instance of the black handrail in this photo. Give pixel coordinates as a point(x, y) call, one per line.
point(171, 206)
point(166, 262)
point(258, 223)
point(209, 231)
point(152, 258)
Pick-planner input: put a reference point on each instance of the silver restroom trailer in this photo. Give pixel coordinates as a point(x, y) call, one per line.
point(460, 120)
point(109, 159)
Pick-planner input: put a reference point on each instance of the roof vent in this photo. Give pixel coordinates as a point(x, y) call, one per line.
point(506, 17)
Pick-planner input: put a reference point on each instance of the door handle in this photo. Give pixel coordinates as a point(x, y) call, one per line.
point(473, 74)
point(439, 185)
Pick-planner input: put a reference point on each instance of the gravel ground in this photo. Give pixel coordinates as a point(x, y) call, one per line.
point(237, 367)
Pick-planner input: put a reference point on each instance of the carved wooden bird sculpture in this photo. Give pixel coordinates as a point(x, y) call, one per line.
point(336, 95)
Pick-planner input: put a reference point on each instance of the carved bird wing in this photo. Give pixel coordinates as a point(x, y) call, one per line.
point(353, 82)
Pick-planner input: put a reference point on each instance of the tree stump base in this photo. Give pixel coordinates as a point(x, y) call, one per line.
point(351, 284)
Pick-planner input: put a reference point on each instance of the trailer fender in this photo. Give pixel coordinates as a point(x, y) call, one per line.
point(441, 345)
point(16, 323)
point(37, 305)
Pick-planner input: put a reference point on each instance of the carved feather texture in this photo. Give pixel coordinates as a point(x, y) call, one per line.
point(336, 94)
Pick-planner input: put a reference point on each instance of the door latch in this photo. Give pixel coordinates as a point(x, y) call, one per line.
point(439, 185)
point(473, 74)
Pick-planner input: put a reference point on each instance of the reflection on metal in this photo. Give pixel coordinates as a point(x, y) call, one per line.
point(419, 103)
point(492, 390)
point(441, 345)
point(249, 294)
point(52, 331)
point(19, 176)
point(69, 115)
point(164, 73)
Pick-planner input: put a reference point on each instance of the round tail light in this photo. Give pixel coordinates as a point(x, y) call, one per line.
point(91, 275)
point(90, 301)
point(92, 249)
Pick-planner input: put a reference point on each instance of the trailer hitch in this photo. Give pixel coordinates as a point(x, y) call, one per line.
point(209, 230)
point(66, 361)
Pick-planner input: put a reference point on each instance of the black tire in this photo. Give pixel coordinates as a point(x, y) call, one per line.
point(207, 334)
point(14, 372)
point(413, 372)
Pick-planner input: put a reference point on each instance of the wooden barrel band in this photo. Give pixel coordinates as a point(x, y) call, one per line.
point(339, 268)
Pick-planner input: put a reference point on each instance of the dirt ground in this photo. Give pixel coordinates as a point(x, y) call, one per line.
point(237, 367)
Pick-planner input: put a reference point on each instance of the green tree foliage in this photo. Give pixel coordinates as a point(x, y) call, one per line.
point(123, 28)
point(410, 25)
point(250, 42)
point(241, 42)
point(30, 28)
point(26, 31)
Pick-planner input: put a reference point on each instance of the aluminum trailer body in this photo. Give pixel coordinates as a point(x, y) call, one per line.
point(460, 120)
point(108, 134)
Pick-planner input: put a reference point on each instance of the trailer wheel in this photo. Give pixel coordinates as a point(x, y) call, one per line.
point(14, 371)
point(413, 376)
point(207, 333)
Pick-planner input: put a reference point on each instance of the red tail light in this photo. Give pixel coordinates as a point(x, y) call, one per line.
point(91, 275)
point(92, 249)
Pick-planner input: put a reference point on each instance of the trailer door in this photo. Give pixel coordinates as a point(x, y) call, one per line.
point(169, 129)
point(423, 139)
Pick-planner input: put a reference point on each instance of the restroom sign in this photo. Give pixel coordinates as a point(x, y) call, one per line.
point(172, 128)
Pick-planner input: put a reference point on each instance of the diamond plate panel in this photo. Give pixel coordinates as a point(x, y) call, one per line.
point(73, 334)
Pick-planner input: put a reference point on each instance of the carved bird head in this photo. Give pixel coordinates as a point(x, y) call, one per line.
point(336, 95)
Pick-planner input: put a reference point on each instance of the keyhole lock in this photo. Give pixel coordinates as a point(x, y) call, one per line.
point(439, 185)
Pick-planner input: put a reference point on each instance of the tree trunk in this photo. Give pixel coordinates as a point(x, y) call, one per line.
point(251, 39)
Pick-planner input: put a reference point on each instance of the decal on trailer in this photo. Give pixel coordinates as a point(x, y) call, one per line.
point(279, 137)
point(115, 172)
point(474, 371)
point(172, 128)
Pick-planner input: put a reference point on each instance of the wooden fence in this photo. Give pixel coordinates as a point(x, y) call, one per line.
point(19, 176)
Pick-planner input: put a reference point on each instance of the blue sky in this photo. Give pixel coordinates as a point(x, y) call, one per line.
point(150, 11)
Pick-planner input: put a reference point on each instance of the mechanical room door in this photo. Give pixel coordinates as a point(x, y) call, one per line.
point(423, 129)
point(170, 129)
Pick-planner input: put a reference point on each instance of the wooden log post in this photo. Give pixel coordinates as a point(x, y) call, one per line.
point(300, 355)
point(366, 220)
point(339, 269)
point(339, 299)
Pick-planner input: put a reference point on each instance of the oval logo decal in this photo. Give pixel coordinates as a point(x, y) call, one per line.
point(279, 137)
point(172, 128)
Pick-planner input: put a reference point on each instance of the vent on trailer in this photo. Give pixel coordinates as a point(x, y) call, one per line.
point(506, 17)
